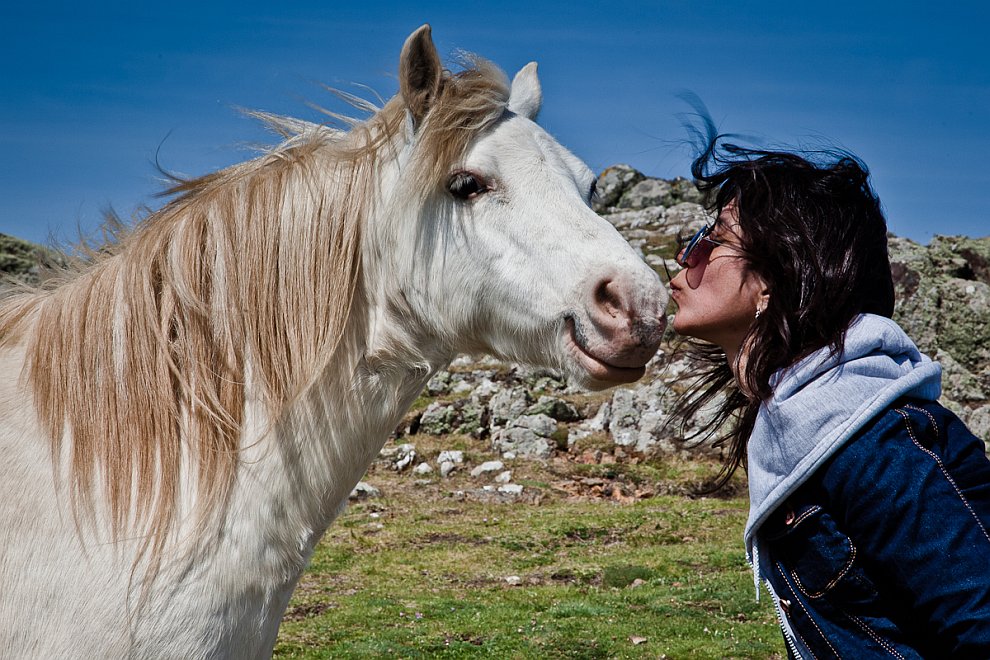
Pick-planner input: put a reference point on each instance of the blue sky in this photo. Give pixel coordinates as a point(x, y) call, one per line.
point(94, 93)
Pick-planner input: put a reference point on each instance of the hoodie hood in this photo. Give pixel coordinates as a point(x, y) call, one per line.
point(822, 401)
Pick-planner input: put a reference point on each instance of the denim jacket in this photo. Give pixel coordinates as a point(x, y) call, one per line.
point(870, 506)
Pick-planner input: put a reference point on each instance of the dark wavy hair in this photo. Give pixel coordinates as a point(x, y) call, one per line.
point(814, 231)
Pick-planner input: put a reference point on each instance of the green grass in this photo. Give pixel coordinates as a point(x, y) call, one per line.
point(422, 573)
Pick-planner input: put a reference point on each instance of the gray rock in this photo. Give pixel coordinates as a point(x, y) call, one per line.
point(404, 457)
point(629, 222)
point(461, 386)
point(623, 423)
point(527, 436)
point(473, 419)
point(364, 491)
point(465, 416)
point(520, 441)
point(613, 182)
point(648, 192)
point(575, 434)
point(455, 456)
point(558, 409)
point(541, 379)
point(686, 218)
point(438, 419)
point(684, 190)
point(542, 425)
point(507, 405)
point(485, 390)
point(487, 466)
point(978, 421)
point(958, 383)
point(601, 419)
point(439, 383)
point(943, 302)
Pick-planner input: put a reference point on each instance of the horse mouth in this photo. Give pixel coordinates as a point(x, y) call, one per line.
point(596, 368)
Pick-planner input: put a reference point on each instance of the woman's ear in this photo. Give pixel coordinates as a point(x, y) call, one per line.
point(762, 301)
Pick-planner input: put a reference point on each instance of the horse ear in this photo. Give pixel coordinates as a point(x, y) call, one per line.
point(420, 73)
point(526, 97)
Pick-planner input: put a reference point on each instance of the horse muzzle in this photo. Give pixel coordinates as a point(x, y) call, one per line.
point(619, 329)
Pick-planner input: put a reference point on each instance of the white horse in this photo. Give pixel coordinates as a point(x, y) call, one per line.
point(184, 416)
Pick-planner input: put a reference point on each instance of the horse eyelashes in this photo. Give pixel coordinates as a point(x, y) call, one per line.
point(465, 185)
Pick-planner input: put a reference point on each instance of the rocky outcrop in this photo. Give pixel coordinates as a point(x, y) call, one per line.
point(943, 302)
point(943, 293)
point(21, 260)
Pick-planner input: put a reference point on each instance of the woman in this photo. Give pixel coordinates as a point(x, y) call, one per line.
point(869, 502)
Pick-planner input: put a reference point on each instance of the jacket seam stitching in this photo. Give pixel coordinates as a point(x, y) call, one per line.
point(945, 473)
point(879, 640)
point(798, 602)
point(841, 574)
point(931, 418)
point(797, 521)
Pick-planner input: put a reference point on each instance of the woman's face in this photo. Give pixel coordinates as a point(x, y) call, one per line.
point(717, 297)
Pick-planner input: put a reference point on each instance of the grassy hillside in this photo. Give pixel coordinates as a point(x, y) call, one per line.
point(589, 561)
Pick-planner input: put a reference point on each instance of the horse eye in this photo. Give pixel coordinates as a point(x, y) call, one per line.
point(465, 185)
point(593, 192)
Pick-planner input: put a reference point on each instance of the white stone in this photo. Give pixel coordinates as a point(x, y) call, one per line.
point(423, 468)
point(405, 461)
point(600, 421)
point(510, 489)
point(451, 456)
point(488, 466)
point(576, 433)
point(364, 490)
point(504, 477)
point(462, 386)
point(485, 389)
point(540, 424)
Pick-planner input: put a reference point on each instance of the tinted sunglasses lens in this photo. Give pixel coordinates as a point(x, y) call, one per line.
point(700, 253)
point(696, 249)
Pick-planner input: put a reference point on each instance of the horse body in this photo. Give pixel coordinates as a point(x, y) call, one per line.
point(447, 245)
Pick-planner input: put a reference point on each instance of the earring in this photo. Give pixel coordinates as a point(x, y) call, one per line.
point(758, 312)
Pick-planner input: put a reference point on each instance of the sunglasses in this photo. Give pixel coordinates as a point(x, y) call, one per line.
point(698, 248)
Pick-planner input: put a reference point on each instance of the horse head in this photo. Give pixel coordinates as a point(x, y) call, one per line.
point(503, 253)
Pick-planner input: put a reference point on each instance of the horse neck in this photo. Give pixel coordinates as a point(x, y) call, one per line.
point(305, 458)
point(297, 472)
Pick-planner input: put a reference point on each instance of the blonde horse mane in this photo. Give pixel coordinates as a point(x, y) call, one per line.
point(143, 355)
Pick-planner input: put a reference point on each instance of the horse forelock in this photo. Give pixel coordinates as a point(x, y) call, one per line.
point(142, 357)
point(469, 102)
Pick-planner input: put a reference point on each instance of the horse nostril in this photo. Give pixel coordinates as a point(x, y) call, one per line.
point(608, 297)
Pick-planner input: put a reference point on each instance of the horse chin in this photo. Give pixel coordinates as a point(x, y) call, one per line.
point(591, 372)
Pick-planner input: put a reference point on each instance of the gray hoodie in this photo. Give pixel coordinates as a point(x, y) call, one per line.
point(821, 402)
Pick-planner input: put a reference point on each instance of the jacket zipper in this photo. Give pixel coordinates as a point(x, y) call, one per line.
point(780, 621)
point(754, 563)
